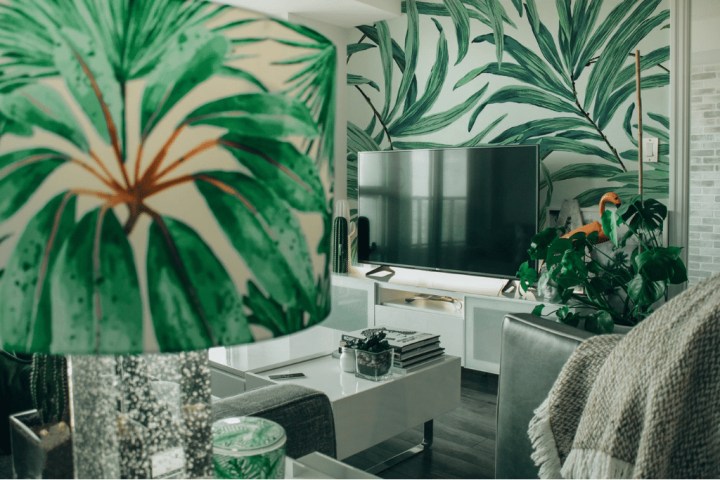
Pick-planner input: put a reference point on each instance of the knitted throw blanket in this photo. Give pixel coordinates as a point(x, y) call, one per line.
point(643, 405)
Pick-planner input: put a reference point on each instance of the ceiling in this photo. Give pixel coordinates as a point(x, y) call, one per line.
point(342, 13)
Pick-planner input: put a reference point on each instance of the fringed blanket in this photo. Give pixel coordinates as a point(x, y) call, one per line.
point(644, 405)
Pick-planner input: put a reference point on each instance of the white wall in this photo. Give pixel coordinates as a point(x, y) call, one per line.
point(704, 219)
point(705, 31)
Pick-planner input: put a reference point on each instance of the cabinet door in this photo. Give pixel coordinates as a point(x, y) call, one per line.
point(352, 300)
point(483, 323)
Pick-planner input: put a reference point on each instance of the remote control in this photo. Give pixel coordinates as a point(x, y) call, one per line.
point(285, 376)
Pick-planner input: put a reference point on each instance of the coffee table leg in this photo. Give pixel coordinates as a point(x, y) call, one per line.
point(427, 434)
point(426, 444)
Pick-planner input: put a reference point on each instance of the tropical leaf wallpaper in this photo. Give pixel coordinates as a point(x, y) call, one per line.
point(559, 74)
point(165, 175)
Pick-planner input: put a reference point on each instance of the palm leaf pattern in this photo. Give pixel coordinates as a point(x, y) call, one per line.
point(575, 81)
point(106, 108)
point(407, 113)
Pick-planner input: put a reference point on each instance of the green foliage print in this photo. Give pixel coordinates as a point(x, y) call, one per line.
point(154, 162)
point(558, 74)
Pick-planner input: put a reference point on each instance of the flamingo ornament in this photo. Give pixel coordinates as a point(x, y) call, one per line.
point(610, 197)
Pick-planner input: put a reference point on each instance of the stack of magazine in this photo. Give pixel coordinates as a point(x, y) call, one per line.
point(412, 349)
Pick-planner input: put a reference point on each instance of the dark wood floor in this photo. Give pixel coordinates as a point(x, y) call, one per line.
point(464, 440)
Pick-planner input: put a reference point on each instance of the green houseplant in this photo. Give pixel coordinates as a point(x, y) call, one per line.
point(599, 287)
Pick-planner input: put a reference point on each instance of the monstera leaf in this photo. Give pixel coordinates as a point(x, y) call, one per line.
point(83, 285)
point(649, 213)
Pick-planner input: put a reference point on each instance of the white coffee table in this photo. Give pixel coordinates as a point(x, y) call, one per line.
point(318, 465)
point(367, 412)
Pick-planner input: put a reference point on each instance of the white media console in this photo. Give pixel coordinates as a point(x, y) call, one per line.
point(466, 311)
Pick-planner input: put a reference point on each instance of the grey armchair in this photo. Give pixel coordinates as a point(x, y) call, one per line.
point(533, 351)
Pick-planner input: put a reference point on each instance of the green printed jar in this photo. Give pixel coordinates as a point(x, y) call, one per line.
point(248, 447)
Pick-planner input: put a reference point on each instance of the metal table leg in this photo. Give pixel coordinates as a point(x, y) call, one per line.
point(426, 444)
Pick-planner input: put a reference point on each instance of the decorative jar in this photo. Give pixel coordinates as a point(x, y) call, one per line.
point(248, 447)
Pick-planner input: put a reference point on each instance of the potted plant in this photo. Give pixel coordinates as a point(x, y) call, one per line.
point(41, 440)
point(601, 286)
point(373, 355)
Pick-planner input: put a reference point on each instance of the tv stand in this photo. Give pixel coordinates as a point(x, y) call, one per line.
point(382, 268)
point(469, 327)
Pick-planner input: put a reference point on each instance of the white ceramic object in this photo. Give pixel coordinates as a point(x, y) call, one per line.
point(347, 359)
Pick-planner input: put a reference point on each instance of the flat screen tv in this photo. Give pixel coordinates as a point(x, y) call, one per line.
point(466, 210)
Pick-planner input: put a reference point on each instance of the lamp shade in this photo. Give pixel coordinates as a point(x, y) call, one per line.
point(165, 171)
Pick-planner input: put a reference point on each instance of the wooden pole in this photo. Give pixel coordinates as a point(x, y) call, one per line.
point(640, 124)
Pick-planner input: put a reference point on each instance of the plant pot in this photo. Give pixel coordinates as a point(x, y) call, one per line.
point(373, 365)
point(40, 451)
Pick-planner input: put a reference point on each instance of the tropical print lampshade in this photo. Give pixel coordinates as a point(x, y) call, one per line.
point(165, 171)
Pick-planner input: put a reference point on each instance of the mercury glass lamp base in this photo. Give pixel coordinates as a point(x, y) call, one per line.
point(141, 416)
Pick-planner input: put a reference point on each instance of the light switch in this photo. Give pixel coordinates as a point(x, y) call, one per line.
point(651, 146)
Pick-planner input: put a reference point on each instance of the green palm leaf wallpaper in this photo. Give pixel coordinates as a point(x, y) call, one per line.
point(165, 172)
point(559, 74)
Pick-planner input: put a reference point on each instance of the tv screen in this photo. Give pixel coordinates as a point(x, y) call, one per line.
point(467, 210)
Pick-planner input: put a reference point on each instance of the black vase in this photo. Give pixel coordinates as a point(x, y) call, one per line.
point(339, 247)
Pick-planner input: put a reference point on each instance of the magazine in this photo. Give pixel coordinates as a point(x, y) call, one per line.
point(400, 340)
point(419, 359)
point(408, 354)
point(417, 366)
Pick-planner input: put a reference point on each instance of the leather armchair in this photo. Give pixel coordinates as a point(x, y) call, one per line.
point(533, 351)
